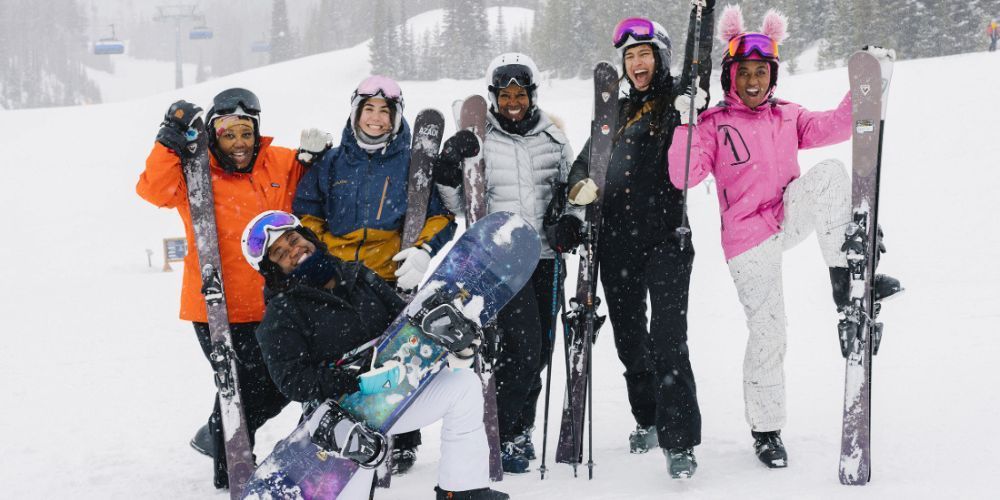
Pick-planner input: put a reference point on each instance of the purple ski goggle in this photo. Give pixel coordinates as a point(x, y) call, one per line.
point(639, 28)
point(379, 85)
point(257, 237)
point(743, 46)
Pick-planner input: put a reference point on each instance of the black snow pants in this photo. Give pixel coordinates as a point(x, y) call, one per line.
point(525, 325)
point(261, 398)
point(658, 374)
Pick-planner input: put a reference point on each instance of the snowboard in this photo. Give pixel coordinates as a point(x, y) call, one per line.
point(198, 176)
point(480, 273)
point(869, 80)
point(580, 320)
point(427, 131)
point(472, 116)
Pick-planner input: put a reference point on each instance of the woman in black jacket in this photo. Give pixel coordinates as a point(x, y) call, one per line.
point(640, 252)
point(318, 309)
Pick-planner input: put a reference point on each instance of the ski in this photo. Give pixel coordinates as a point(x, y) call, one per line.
point(472, 116)
point(198, 176)
point(580, 320)
point(427, 130)
point(869, 80)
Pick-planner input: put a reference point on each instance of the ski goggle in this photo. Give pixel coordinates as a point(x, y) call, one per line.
point(517, 74)
point(639, 28)
point(743, 46)
point(258, 235)
point(229, 103)
point(379, 86)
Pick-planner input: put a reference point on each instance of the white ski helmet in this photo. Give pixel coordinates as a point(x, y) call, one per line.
point(640, 30)
point(512, 67)
point(382, 87)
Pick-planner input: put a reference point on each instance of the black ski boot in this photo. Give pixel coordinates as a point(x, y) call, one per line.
point(642, 439)
point(478, 494)
point(402, 460)
point(202, 442)
point(681, 462)
point(512, 458)
point(523, 442)
point(770, 450)
point(883, 288)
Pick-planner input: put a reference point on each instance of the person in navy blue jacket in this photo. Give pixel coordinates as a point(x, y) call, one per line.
point(354, 199)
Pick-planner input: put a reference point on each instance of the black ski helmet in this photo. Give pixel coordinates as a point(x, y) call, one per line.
point(235, 101)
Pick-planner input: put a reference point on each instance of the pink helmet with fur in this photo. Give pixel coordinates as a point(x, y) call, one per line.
point(741, 45)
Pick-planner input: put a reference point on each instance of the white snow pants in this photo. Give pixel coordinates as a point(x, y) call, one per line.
point(455, 397)
point(819, 200)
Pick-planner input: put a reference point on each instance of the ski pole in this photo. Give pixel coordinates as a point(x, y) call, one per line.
point(683, 231)
point(548, 366)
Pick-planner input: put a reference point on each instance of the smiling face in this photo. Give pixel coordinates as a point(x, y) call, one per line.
point(236, 143)
point(289, 250)
point(513, 102)
point(376, 117)
point(753, 79)
point(640, 65)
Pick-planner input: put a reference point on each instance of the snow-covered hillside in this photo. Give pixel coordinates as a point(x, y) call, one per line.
point(102, 386)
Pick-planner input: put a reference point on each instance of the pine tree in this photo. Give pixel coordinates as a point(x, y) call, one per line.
point(282, 42)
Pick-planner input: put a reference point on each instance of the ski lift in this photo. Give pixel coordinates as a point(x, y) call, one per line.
point(109, 46)
point(260, 46)
point(200, 33)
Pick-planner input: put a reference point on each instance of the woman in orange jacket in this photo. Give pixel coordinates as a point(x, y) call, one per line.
point(249, 175)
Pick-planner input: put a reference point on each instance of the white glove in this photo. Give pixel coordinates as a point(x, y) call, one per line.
point(698, 3)
point(880, 52)
point(583, 193)
point(411, 271)
point(683, 104)
point(312, 144)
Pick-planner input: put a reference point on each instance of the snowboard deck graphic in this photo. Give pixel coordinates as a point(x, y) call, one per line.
point(484, 269)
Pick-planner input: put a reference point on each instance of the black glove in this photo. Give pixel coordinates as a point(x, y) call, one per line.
point(448, 164)
point(707, 5)
point(176, 122)
point(565, 235)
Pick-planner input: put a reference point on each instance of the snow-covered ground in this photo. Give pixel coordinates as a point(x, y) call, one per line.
point(102, 386)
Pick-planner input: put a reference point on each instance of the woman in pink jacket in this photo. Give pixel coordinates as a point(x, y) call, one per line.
point(750, 144)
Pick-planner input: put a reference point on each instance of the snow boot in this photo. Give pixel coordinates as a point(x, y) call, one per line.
point(512, 458)
point(402, 459)
point(883, 288)
point(681, 462)
point(477, 494)
point(202, 442)
point(642, 439)
point(523, 442)
point(769, 449)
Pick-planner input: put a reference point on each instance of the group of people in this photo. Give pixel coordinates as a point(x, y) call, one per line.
point(321, 227)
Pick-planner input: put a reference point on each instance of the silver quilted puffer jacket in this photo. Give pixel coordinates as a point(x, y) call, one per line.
point(520, 172)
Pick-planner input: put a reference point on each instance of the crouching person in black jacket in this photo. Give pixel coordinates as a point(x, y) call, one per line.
point(318, 309)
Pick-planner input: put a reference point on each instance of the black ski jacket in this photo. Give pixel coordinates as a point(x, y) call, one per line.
point(305, 329)
point(638, 195)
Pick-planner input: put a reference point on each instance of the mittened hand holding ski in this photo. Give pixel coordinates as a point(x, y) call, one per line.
point(448, 165)
point(583, 192)
point(313, 142)
point(176, 126)
point(683, 105)
point(565, 235)
point(880, 52)
point(414, 264)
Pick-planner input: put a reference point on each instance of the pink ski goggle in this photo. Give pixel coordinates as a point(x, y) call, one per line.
point(639, 28)
point(743, 46)
point(379, 85)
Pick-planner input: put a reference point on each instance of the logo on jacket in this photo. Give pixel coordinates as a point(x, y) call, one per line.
point(734, 139)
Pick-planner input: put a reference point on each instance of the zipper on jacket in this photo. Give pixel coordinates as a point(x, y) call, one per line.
point(261, 200)
point(365, 210)
point(381, 203)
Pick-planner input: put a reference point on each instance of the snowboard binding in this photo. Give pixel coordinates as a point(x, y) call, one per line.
point(340, 435)
point(442, 322)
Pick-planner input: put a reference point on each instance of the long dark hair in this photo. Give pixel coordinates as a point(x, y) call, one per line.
point(660, 90)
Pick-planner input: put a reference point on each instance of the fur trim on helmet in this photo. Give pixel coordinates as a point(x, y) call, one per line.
point(730, 23)
point(775, 26)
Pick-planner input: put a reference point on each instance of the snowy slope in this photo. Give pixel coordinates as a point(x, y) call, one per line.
point(102, 386)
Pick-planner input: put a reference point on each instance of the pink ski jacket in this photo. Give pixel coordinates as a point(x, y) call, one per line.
point(753, 154)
